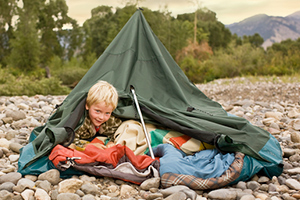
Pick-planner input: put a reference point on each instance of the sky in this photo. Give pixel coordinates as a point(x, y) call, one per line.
point(227, 11)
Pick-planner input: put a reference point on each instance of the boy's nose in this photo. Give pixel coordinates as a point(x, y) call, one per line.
point(101, 116)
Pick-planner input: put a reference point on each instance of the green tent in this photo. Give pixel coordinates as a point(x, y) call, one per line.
point(137, 58)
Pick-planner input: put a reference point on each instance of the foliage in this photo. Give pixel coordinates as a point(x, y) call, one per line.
point(218, 36)
point(190, 58)
point(240, 60)
point(190, 67)
point(7, 11)
point(283, 58)
point(68, 73)
point(52, 16)
point(70, 76)
point(180, 38)
point(29, 85)
point(39, 47)
point(25, 46)
point(200, 52)
point(256, 40)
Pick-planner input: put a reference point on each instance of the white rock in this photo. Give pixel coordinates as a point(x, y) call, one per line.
point(2, 116)
point(41, 194)
point(13, 158)
point(8, 169)
point(126, 191)
point(47, 109)
point(105, 197)
point(294, 113)
point(2, 134)
point(12, 107)
point(268, 121)
point(275, 198)
point(294, 171)
point(27, 194)
point(25, 183)
point(295, 137)
point(261, 196)
point(4, 143)
point(23, 106)
point(69, 185)
point(275, 115)
point(34, 122)
point(296, 124)
point(293, 184)
point(222, 194)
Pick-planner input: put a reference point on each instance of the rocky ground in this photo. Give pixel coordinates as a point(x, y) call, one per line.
point(272, 105)
point(268, 90)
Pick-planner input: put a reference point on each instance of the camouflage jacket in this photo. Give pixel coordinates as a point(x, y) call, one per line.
point(87, 130)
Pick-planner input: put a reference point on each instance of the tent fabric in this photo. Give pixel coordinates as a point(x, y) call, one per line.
point(137, 58)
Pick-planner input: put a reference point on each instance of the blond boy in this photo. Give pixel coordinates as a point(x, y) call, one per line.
point(101, 101)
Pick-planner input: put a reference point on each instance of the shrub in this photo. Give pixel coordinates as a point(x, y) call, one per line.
point(69, 73)
point(30, 86)
point(70, 76)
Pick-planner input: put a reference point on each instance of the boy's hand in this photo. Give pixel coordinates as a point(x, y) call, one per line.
point(110, 144)
point(72, 146)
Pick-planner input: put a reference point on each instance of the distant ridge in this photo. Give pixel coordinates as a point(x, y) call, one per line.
point(295, 15)
point(271, 28)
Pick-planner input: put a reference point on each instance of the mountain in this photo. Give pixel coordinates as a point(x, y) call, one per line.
point(271, 28)
point(295, 15)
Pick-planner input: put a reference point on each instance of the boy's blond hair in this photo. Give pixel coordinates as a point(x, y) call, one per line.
point(102, 91)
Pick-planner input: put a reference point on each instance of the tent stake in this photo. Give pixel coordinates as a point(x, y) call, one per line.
point(142, 121)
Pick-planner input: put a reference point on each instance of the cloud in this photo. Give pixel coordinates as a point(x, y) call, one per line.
point(227, 11)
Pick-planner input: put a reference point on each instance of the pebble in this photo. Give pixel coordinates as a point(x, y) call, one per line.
point(53, 176)
point(69, 185)
point(273, 106)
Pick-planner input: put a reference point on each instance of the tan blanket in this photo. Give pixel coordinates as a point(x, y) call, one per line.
point(131, 134)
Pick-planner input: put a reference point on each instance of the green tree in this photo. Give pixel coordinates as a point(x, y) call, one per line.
point(284, 46)
point(161, 24)
point(25, 46)
point(255, 40)
point(190, 59)
point(71, 40)
point(53, 15)
point(217, 34)
point(179, 38)
point(237, 40)
point(7, 11)
point(283, 58)
point(98, 31)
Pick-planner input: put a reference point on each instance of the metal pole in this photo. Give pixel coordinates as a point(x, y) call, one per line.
point(142, 120)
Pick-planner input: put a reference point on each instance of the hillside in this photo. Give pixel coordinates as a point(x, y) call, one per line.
point(271, 28)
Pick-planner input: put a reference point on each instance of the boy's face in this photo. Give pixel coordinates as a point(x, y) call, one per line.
point(99, 113)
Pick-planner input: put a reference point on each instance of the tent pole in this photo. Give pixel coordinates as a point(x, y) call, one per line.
point(142, 121)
